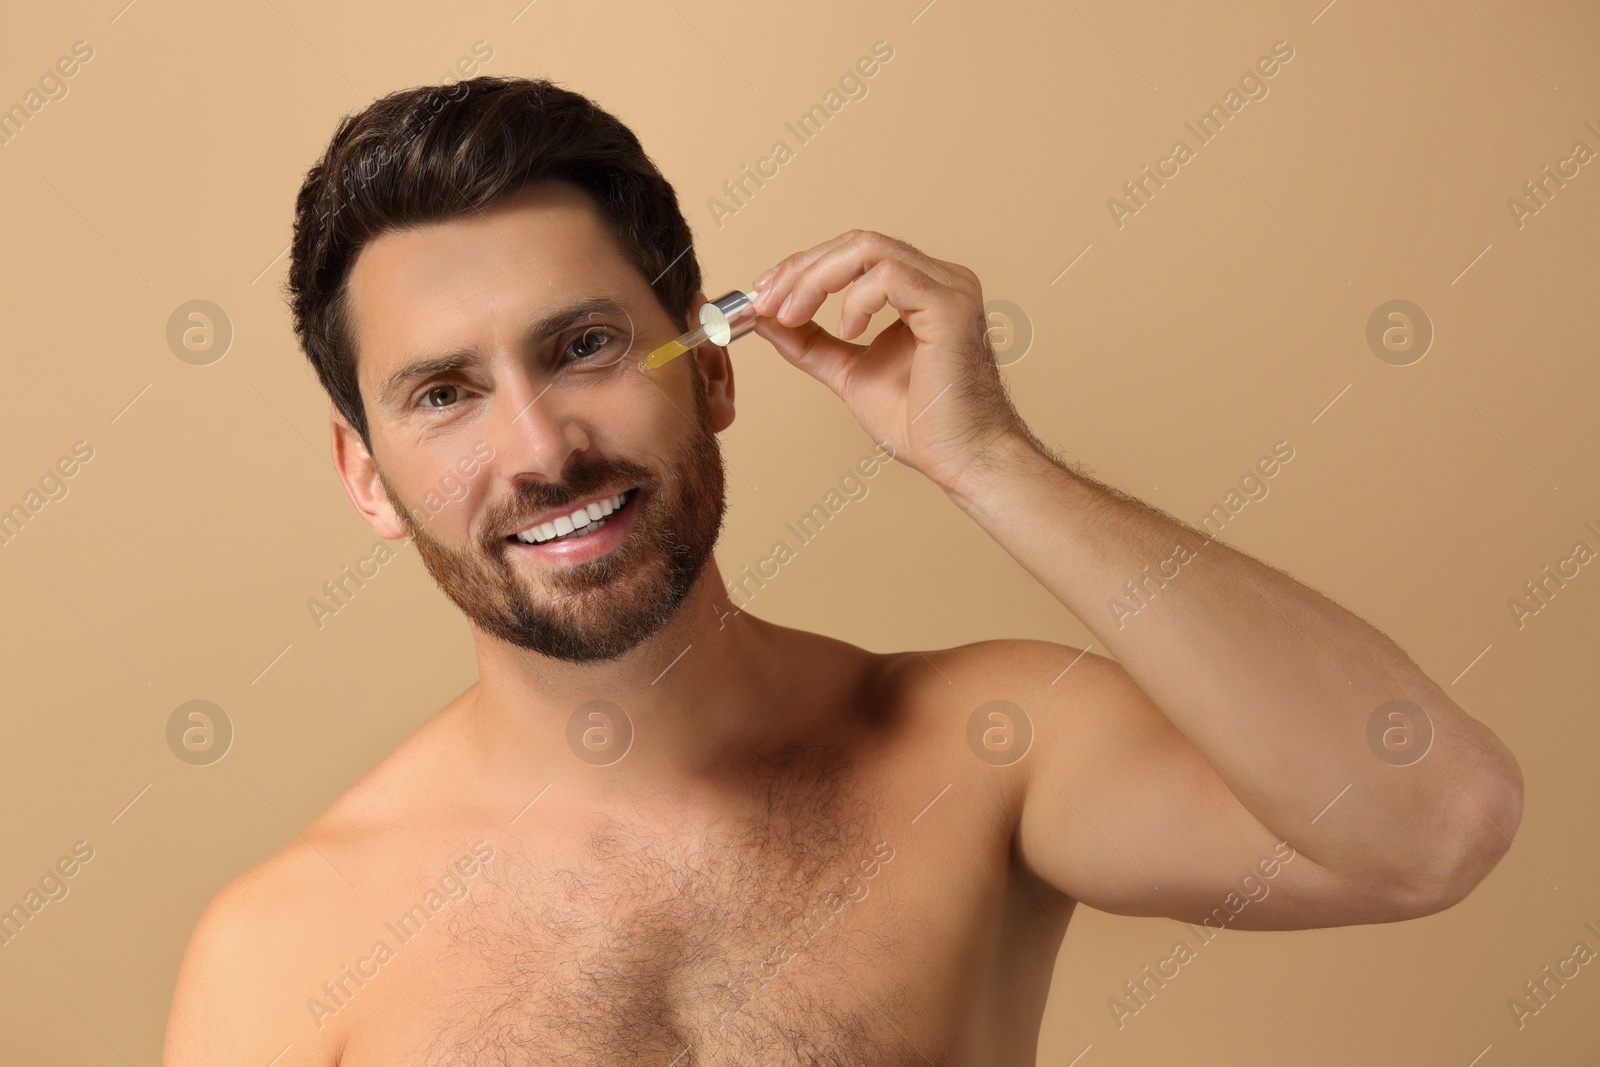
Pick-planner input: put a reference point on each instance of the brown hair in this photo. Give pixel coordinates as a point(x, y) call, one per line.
point(436, 152)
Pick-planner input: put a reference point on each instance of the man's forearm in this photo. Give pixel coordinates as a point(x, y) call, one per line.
point(1271, 681)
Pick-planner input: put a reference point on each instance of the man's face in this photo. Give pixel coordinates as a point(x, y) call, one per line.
point(563, 414)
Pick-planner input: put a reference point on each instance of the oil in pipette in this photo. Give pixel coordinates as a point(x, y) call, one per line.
point(669, 351)
point(721, 320)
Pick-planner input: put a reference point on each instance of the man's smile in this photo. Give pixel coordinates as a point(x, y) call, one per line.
point(580, 533)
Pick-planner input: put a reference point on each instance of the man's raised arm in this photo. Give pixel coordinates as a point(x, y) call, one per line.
point(1243, 707)
point(1319, 726)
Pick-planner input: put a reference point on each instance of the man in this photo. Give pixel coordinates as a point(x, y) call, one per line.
point(659, 829)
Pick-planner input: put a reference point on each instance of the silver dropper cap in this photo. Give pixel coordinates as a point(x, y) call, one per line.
point(728, 316)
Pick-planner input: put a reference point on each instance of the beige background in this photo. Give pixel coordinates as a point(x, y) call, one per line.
point(1228, 314)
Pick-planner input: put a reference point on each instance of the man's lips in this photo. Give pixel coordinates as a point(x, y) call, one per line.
point(590, 542)
point(557, 524)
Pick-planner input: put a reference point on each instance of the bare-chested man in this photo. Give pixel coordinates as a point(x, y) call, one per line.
point(659, 830)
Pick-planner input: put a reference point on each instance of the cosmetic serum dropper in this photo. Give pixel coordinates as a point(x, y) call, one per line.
point(721, 320)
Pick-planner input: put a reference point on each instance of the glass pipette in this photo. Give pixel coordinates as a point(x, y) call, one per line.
point(721, 320)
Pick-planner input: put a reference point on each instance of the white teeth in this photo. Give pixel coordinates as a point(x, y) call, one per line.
point(590, 514)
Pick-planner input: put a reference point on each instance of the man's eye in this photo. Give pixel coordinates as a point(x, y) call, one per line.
point(431, 395)
point(586, 348)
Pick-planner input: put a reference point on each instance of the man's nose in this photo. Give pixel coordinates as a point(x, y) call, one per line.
point(536, 428)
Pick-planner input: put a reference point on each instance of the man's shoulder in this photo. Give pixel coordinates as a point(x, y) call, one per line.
point(1013, 704)
point(251, 960)
point(278, 901)
point(1006, 668)
point(271, 934)
point(270, 937)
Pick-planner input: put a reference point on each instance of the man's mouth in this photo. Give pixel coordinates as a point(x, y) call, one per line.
point(578, 523)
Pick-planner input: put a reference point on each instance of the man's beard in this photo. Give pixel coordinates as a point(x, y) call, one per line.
point(601, 608)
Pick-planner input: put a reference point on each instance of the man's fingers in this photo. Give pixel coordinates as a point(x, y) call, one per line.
point(837, 267)
point(893, 282)
point(958, 277)
point(789, 266)
point(861, 249)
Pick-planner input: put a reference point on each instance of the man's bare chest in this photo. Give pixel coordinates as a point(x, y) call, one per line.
point(794, 932)
point(707, 961)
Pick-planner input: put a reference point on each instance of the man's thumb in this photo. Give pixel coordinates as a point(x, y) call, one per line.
point(811, 348)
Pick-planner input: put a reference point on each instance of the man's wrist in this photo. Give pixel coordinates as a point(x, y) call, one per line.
point(1011, 455)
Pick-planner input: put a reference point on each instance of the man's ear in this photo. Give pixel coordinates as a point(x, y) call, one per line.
point(717, 369)
point(359, 473)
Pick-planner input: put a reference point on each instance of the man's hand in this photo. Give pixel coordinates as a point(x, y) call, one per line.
point(927, 384)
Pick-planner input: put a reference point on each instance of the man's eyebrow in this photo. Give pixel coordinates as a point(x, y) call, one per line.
point(559, 320)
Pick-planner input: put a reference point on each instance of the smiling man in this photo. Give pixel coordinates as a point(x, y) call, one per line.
point(661, 830)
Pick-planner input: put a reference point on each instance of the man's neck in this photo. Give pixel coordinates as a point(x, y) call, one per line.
point(698, 696)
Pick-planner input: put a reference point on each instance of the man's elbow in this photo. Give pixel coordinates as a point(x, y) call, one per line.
point(1482, 820)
